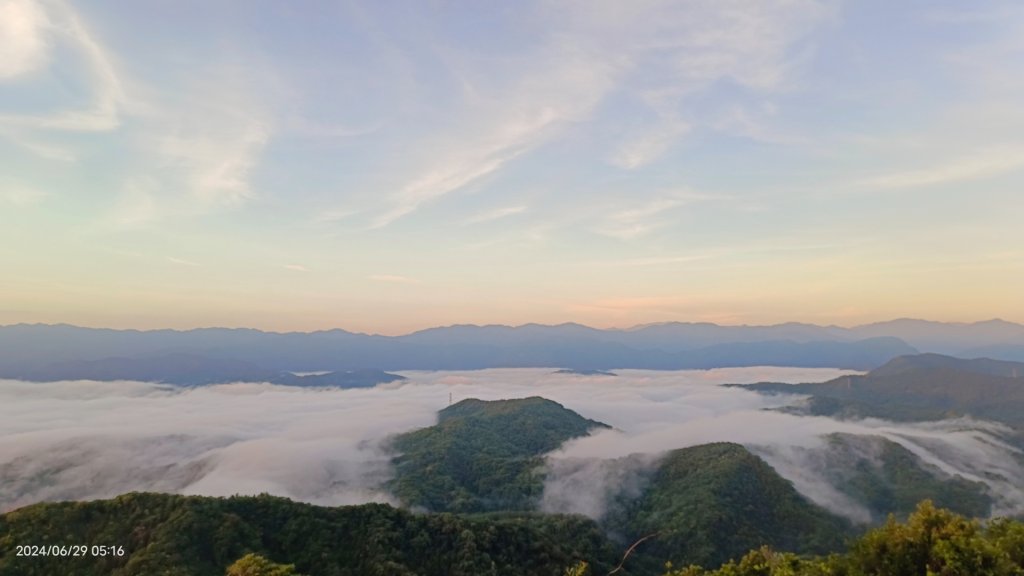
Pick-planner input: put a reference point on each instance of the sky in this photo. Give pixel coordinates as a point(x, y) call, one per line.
point(389, 166)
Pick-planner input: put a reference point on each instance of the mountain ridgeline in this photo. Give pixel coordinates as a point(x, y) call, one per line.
point(183, 369)
point(918, 388)
point(711, 503)
point(49, 353)
point(704, 504)
point(483, 456)
point(886, 478)
point(197, 536)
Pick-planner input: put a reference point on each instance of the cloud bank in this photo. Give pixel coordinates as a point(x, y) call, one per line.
point(82, 440)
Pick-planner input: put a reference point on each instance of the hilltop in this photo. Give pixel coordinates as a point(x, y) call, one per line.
point(920, 387)
point(710, 503)
point(483, 456)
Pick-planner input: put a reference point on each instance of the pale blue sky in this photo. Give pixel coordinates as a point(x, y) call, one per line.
point(387, 166)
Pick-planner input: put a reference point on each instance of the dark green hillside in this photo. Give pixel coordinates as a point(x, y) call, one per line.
point(922, 387)
point(197, 536)
point(714, 502)
point(483, 456)
point(889, 479)
point(931, 542)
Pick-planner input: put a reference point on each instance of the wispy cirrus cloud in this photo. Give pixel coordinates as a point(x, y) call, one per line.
point(33, 28)
point(665, 52)
point(495, 214)
point(216, 164)
point(507, 113)
point(296, 268)
point(636, 221)
point(649, 144)
point(986, 163)
point(23, 44)
point(193, 153)
point(681, 50)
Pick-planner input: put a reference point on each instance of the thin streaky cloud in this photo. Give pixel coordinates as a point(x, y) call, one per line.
point(563, 85)
point(23, 45)
point(296, 268)
point(106, 87)
point(649, 146)
point(438, 183)
point(633, 222)
point(496, 214)
point(986, 164)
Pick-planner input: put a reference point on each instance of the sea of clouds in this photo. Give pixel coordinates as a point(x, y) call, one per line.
point(85, 440)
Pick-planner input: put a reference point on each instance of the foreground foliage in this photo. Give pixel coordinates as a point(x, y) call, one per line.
point(171, 535)
point(268, 536)
point(933, 541)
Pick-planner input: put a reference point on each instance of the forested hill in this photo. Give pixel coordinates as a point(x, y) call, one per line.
point(921, 387)
point(196, 536)
point(151, 534)
point(711, 503)
point(483, 456)
point(706, 504)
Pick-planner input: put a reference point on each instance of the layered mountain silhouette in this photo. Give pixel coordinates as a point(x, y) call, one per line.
point(194, 370)
point(48, 351)
point(920, 387)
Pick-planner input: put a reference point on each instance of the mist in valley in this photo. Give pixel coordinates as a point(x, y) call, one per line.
point(85, 440)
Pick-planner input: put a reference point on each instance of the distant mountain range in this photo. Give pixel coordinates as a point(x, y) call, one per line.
point(192, 370)
point(49, 352)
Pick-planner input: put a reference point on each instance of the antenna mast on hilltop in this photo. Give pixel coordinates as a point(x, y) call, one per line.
point(449, 398)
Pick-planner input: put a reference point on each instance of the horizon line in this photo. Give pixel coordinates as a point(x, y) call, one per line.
point(513, 326)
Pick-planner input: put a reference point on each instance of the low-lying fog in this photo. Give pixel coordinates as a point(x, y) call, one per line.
point(84, 440)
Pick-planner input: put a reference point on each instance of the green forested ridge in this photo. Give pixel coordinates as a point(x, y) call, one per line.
point(701, 505)
point(200, 536)
point(483, 456)
point(714, 502)
point(886, 478)
point(920, 387)
point(268, 536)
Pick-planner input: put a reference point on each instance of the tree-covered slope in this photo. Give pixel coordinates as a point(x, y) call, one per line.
point(921, 387)
point(198, 536)
point(932, 542)
point(483, 456)
point(886, 478)
point(709, 503)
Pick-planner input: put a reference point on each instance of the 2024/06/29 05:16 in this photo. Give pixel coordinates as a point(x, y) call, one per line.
point(75, 550)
